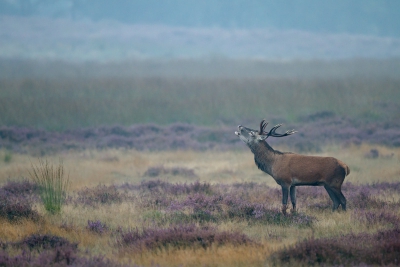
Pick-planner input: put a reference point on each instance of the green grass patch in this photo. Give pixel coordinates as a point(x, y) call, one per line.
point(53, 184)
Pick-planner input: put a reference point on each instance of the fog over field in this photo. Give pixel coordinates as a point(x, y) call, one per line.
point(100, 31)
point(81, 40)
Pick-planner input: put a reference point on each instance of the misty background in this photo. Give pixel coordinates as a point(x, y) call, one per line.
point(76, 64)
point(81, 30)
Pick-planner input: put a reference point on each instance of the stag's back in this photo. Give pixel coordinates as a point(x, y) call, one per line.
point(309, 170)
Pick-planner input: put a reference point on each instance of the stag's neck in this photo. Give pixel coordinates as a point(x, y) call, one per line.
point(264, 156)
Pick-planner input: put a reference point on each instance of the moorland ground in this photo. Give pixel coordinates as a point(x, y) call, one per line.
point(127, 190)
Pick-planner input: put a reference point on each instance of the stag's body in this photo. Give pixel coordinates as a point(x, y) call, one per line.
point(290, 170)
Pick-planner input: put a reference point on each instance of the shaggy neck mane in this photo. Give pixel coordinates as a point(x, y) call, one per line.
point(264, 156)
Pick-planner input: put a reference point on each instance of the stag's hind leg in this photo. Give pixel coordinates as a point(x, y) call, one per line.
point(340, 197)
point(293, 197)
point(333, 196)
point(285, 195)
point(342, 200)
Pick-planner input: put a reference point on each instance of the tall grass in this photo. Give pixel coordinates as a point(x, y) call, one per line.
point(53, 184)
point(125, 97)
point(67, 104)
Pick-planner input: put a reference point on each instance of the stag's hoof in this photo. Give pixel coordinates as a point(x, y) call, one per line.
point(284, 208)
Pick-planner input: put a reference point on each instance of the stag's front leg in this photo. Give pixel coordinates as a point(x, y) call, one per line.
point(285, 195)
point(293, 197)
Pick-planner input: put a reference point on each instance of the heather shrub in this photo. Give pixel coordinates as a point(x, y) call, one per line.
point(59, 257)
point(202, 208)
point(23, 188)
point(97, 227)
point(42, 242)
point(260, 213)
point(100, 194)
point(14, 207)
point(175, 189)
point(195, 187)
point(358, 196)
point(158, 194)
point(52, 185)
point(174, 171)
point(371, 218)
point(362, 196)
point(384, 186)
point(181, 236)
point(382, 248)
point(372, 154)
point(49, 250)
point(331, 129)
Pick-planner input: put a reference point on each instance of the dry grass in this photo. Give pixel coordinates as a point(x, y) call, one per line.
point(91, 168)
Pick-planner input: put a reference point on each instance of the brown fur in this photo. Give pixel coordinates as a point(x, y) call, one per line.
point(290, 170)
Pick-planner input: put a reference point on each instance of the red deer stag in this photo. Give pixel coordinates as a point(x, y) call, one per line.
point(290, 170)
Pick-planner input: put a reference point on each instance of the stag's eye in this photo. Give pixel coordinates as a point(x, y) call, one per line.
point(252, 133)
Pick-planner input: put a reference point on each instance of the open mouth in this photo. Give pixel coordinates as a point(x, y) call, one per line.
point(238, 131)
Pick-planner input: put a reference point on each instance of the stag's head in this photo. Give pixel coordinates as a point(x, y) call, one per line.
point(252, 137)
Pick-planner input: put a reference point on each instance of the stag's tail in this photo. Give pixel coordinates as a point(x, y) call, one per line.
point(345, 167)
point(347, 170)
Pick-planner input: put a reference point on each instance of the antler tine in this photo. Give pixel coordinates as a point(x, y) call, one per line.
point(263, 124)
point(291, 132)
point(273, 133)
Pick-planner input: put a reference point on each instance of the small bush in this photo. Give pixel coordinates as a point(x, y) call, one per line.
point(175, 189)
point(14, 207)
point(23, 188)
point(97, 227)
point(175, 171)
point(60, 257)
point(100, 194)
point(259, 213)
point(363, 196)
point(42, 242)
point(382, 248)
point(52, 185)
point(203, 208)
point(49, 250)
point(180, 237)
point(371, 218)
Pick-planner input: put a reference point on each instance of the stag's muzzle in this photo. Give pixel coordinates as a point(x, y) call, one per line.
point(238, 131)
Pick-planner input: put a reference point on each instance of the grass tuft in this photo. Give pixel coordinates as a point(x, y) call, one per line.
point(52, 184)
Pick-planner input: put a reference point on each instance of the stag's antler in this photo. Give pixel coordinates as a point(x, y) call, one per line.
point(273, 133)
point(263, 124)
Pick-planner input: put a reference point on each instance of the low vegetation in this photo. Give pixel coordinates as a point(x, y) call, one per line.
point(52, 184)
point(203, 214)
point(378, 249)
